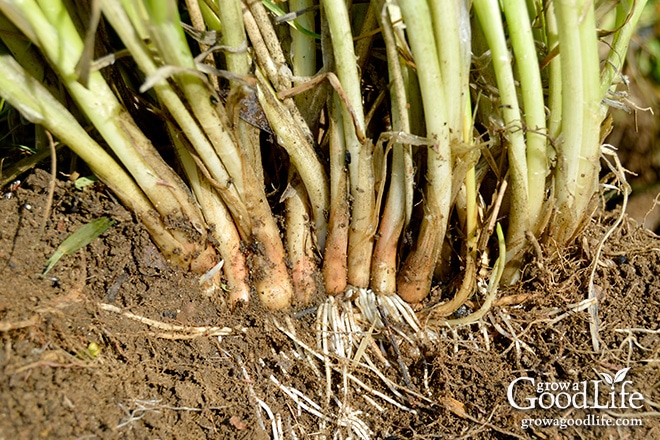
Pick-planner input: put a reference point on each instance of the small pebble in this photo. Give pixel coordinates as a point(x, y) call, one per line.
point(463, 311)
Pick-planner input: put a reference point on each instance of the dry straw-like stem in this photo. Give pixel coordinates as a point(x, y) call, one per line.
point(172, 331)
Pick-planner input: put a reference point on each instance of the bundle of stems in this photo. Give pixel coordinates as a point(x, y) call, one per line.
point(294, 171)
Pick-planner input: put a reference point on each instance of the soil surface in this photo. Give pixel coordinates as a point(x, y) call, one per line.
point(109, 345)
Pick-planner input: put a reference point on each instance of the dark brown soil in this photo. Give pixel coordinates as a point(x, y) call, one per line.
point(168, 383)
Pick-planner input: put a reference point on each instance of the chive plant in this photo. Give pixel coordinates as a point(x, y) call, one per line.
point(487, 111)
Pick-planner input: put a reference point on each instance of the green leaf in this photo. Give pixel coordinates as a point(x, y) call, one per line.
point(81, 238)
point(272, 7)
point(82, 182)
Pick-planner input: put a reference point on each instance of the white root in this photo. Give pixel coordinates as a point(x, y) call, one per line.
point(176, 331)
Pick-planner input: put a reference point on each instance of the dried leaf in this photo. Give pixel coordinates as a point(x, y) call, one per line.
point(455, 406)
point(237, 423)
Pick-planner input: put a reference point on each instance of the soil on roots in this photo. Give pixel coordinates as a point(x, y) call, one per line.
point(243, 376)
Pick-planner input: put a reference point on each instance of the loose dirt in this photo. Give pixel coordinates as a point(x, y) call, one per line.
point(106, 346)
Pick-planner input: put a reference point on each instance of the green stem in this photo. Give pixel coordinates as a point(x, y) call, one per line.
point(384, 262)
point(38, 106)
point(568, 148)
point(422, 43)
point(415, 280)
point(301, 153)
point(52, 27)
point(335, 268)
point(233, 35)
point(577, 161)
point(360, 168)
point(211, 14)
point(589, 164)
point(124, 26)
point(273, 282)
point(303, 47)
point(524, 49)
point(447, 28)
point(238, 62)
point(627, 17)
point(554, 79)
point(166, 32)
point(488, 13)
point(303, 50)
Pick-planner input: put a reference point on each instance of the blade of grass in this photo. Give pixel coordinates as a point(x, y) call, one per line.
point(79, 239)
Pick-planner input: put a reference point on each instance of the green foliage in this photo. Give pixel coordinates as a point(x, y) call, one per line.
point(490, 113)
point(79, 239)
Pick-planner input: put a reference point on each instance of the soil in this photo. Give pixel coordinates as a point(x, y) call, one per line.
point(107, 345)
